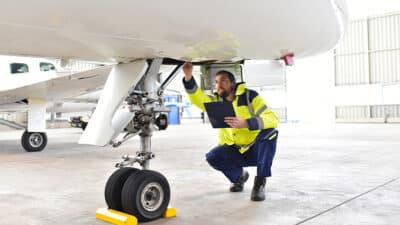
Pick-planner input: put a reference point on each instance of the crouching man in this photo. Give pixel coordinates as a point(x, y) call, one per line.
point(251, 138)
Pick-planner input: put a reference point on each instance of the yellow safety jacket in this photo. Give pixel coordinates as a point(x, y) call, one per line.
point(257, 114)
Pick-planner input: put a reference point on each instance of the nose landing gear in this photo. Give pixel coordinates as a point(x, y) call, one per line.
point(144, 193)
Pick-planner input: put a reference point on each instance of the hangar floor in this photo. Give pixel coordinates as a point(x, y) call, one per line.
point(342, 174)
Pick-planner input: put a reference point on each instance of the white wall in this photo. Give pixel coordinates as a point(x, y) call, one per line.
point(364, 8)
point(274, 98)
point(310, 85)
point(375, 94)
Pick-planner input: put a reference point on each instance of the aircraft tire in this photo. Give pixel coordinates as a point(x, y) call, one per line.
point(113, 189)
point(83, 126)
point(146, 195)
point(33, 141)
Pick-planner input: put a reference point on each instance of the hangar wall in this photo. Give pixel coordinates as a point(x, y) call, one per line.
point(367, 71)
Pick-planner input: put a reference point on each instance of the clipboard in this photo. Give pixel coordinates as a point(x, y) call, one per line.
point(217, 111)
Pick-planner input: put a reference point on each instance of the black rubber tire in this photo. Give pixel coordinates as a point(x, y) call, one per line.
point(27, 145)
point(113, 189)
point(132, 191)
point(83, 125)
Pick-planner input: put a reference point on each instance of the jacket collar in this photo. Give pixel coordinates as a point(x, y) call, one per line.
point(240, 88)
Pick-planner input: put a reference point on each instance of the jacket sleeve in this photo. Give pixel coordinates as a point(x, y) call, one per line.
point(263, 117)
point(196, 95)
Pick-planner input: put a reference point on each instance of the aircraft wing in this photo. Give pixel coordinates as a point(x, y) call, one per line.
point(58, 88)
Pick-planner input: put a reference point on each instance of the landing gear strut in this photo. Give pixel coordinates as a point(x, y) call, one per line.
point(143, 193)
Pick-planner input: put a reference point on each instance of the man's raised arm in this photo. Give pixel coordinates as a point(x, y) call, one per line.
point(196, 95)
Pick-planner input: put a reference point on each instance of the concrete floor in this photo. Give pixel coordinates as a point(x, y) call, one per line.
point(317, 173)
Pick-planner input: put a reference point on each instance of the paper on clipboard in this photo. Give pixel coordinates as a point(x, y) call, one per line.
point(217, 111)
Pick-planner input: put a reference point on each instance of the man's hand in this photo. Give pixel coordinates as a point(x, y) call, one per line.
point(236, 122)
point(187, 70)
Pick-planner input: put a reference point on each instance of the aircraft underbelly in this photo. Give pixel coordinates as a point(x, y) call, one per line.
point(187, 30)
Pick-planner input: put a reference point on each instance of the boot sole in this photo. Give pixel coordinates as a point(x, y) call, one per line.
point(257, 199)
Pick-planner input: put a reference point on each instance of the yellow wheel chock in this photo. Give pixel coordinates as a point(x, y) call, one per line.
point(121, 218)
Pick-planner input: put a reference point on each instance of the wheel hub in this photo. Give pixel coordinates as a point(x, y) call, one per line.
point(35, 140)
point(152, 196)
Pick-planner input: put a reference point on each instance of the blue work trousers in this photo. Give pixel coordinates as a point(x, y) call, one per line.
point(230, 161)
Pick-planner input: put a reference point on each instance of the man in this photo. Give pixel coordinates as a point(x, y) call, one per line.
point(251, 138)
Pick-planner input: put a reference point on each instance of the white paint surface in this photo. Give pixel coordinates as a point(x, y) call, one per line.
point(37, 115)
point(122, 77)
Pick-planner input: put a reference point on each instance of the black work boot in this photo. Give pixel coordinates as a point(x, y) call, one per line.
point(238, 186)
point(258, 192)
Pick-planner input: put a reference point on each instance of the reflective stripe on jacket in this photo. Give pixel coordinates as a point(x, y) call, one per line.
point(257, 114)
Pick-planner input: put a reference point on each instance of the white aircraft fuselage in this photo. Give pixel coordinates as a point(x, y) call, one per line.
point(123, 30)
point(18, 72)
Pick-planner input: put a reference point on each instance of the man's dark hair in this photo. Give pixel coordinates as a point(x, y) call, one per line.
point(228, 74)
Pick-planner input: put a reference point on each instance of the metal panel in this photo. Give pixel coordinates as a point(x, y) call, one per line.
point(351, 55)
point(385, 48)
point(385, 66)
point(352, 112)
point(351, 69)
point(377, 111)
point(355, 39)
point(366, 113)
point(385, 111)
point(384, 32)
point(369, 52)
point(77, 65)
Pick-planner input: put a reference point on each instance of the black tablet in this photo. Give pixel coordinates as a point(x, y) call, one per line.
point(217, 111)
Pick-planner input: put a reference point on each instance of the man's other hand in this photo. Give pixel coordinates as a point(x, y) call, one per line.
point(187, 70)
point(236, 122)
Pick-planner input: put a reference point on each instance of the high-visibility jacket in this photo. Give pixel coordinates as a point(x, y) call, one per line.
point(257, 114)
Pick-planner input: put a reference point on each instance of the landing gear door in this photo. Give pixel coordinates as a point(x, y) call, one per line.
point(261, 73)
point(208, 73)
